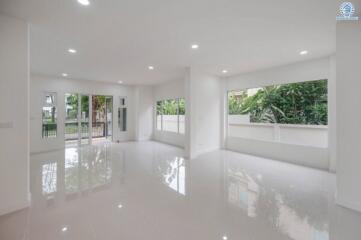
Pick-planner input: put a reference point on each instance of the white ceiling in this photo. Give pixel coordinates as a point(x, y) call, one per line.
point(117, 39)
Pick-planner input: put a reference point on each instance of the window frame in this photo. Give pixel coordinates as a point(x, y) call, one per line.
point(161, 114)
point(227, 107)
point(45, 104)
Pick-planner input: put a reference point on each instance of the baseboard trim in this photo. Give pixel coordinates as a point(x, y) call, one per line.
point(47, 151)
point(15, 207)
point(356, 206)
point(207, 150)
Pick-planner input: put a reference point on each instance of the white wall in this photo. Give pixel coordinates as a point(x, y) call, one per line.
point(299, 72)
point(40, 84)
point(204, 108)
point(349, 113)
point(168, 90)
point(14, 115)
point(144, 113)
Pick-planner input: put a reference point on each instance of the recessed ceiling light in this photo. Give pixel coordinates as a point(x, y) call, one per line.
point(224, 71)
point(84, 2)
point(150, 67)
point(224, 238)
point(71, 50)
point(64, 75)
point(120, 82)
point(195, 46)
point(304, 52)
point(64, 229)
point(120, 206)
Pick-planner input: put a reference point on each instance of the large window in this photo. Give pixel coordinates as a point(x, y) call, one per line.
point(171, 115)
point(295, 103)
point(49, 121)
point(292, 113)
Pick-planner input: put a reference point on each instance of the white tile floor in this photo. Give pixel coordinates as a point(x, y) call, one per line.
point(149, 191)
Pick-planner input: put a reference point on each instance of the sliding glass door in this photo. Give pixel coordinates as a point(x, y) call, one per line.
point(102, 117)
point(71, 119)
point(88, 118)
point(77, 119)
point(84, 119)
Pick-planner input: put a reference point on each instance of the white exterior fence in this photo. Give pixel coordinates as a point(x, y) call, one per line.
point(169, 123)
point(307, 135)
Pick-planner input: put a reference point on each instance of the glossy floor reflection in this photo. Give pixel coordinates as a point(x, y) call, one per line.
point(149, 191)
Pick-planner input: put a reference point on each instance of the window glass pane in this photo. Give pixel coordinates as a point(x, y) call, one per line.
point(170, 115)
point(49, 129)
point(84, 118)
point(159, 115)
point(181, 115)
point(49, 99)
point(71, 117)
point(122, 101)
point(49, 115)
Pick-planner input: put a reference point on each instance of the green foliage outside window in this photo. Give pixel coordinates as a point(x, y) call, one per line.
point(295, 103)
point(171, 107)
point(182, 107)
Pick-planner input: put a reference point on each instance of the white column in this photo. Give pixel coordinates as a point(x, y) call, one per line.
point(348, 110)
point(14, 115)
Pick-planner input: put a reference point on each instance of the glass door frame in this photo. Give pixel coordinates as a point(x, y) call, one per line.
point(79, 120)
point(106, 127)
point(90, 117)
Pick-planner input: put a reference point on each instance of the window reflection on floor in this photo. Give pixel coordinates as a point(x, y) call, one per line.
point(87, 170)
point(71, 170)
point(243, 192)
point(174, 174)
point(99, 167)
point(81, 169)
point(49, 178)
point(246, 192)
point(296, 227)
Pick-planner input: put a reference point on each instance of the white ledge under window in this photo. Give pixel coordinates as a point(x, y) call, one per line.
point(293, 134)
